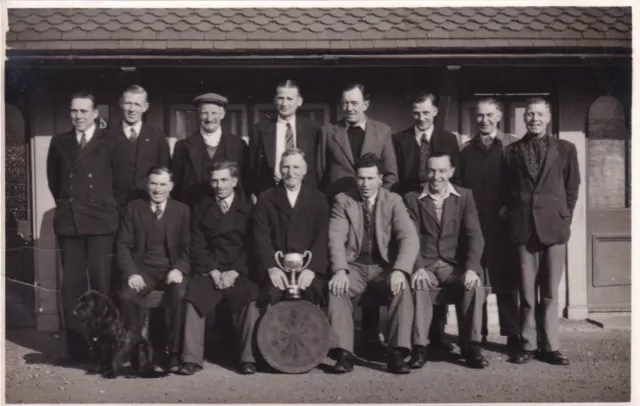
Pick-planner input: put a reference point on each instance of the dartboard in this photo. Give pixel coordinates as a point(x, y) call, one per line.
point(293, 336)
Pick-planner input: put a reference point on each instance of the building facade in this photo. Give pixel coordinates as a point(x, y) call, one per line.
point(577, 58)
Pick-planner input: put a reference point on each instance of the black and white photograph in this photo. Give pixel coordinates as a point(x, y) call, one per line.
point(323, 202)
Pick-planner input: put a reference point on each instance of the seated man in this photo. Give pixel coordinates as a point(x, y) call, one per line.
point(451, 245)
point(291, 218)
point(372, 245)
point(219, 231)
point(153, 254)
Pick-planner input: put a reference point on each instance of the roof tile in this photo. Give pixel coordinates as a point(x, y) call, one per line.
point(462, 27)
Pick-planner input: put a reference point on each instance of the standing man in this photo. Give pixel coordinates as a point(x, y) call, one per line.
point(542, 185)
point(372, 245)
point(343, 143)
point(291, 218)
point(145, 146)
point(481, 171)
point(219, 236)
point(194, 155)
point(451, 246)
point(273, 136)
point(413, 146)
point(88, 179)
point(153, 253)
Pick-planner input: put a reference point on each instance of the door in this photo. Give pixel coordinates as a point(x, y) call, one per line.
point(19, 265)
point(609, 207)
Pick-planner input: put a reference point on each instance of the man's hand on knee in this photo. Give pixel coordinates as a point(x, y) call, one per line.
point(278, 278)
point(470, 279)
point(423, 279)
point(228, 279)
point(136, 282)
point(397, 282)
point(174, 276)
point(305, 279)
point(339, 283)
point(216, 276)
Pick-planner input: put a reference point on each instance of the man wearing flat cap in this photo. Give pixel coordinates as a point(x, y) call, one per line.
point(194, 156)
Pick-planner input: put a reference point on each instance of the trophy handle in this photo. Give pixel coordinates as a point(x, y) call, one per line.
point(306, 264)
point(279, 256)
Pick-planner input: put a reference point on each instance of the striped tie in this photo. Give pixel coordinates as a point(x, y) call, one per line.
point(289, 141)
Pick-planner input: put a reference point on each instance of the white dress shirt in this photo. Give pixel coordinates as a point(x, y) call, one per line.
point(419, 133)
point(362, 124)
point(126, 128)
point(292, 195)
point(163, 207)
point(281, 141)
point(228, 200)
point(88, 134)
point(212, 139)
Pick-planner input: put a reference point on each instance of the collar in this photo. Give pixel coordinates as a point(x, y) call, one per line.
point(212, 139)
point(372, 199)
point(418, 133)
point(293, 192)
point(493, 135)
point(530, 136)
point(126, 128)
point(362, 124)
point(228, 199)
point(88, 133)
point(163, 205)
point(449, 191)
point(292, 121)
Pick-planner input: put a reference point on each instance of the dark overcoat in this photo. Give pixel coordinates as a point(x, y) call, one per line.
point(481, 171)
point(544, 205)
point(220, 241)
point(279, 227)
point(89, 185)
point(151, 149)
point(408, 157)
point(191, 179)
point(262, 151)
point(138, 220)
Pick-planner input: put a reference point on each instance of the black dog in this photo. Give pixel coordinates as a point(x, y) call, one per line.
point(110, 343)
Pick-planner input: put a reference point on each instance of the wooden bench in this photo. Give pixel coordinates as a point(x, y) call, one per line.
point(438, 296)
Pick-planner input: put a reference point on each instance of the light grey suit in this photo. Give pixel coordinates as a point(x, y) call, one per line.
point(398, 246)
point(335, 159)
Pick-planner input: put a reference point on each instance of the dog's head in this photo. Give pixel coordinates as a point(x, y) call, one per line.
point(96, 311)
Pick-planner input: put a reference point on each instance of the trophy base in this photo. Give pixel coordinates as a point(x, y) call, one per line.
point(293, 293)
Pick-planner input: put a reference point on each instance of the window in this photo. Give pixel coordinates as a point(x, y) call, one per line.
point(316, 112)
point(184, 121)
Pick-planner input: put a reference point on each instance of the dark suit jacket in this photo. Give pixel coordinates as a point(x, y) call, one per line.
point(544, 206)
point(278, 227)
point(408, 157)
point(89, 185)
point(152, 149)
point(262, 151)
point(219, 242)
point(335, 160)
point(457, 239)
point(191, 184)
point(132, 239)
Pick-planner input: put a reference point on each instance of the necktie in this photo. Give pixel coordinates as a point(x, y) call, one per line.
point(288, 137)
point(224, 206)
point(487, 141)
point(367, 214)
point(425, 150)
point(157, 211)
point(134, 135)
point(83, 140)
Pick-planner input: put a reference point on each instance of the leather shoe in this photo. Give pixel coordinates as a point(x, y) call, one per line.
point(248, 368)
point(344, 362)
point(419, 357)
point(173, 364)
point(552, 357)
point(396, 363)
point(513, 344)
point(522, 357)
point(441, 345)
point(474, 358)
point(189, 368)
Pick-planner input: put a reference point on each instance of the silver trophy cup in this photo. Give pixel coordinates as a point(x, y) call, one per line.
point(293, 263)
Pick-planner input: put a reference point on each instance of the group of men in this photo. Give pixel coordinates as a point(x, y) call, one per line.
point(411, 217)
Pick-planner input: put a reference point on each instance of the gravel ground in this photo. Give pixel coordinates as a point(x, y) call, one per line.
point(599, 372)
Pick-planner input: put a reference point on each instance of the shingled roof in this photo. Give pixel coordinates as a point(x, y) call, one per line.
point(319, 30)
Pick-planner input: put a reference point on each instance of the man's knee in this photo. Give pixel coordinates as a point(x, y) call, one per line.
point(128, 295)
point(178, 290)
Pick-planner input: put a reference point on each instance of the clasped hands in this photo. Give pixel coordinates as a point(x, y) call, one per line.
point(223, 280)
point(280, 280)
point(426, 279)
point(137, 283)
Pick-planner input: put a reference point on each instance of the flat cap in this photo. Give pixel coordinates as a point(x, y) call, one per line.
point(211, 98)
